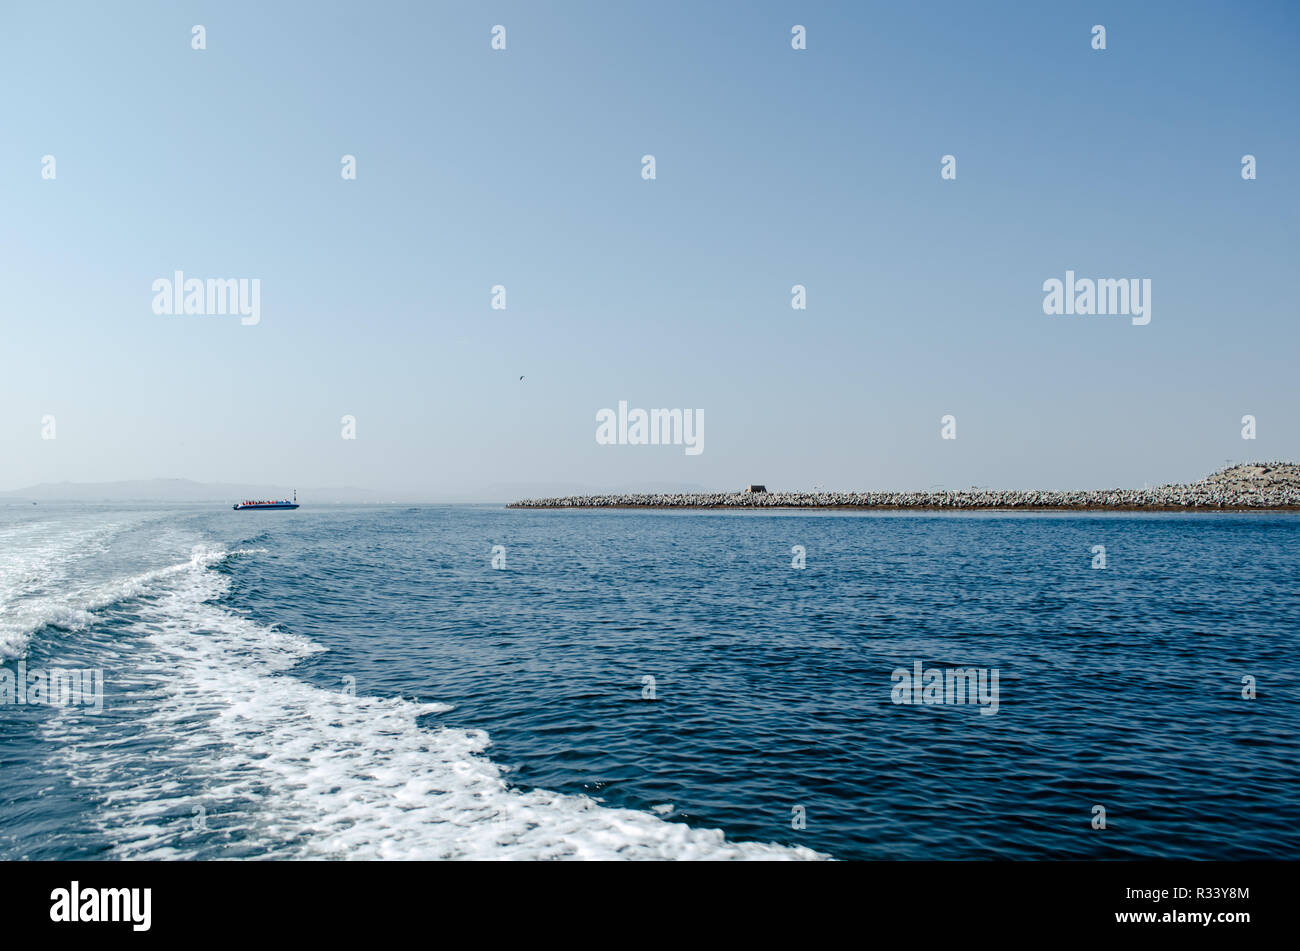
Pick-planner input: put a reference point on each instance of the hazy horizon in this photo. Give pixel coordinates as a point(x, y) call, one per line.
point(168, 489)
point(190, 490)
point(523, 168)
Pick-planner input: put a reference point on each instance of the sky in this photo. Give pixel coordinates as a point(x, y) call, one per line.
point(523, 168)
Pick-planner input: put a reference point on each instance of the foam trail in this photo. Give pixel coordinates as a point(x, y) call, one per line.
point(280, 768)
point(45, 599)
point(36, 559)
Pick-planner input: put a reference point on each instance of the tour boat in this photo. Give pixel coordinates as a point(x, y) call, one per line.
point(281, 504)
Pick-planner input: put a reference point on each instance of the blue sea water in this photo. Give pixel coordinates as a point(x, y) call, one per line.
point(361, 682)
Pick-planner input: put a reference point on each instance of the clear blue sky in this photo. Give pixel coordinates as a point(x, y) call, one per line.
point(522, 168)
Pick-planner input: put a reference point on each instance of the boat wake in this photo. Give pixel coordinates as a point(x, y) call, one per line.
point(44, 598)
point(231, 757)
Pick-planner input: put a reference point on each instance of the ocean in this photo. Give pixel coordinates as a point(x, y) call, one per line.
point(478, 682)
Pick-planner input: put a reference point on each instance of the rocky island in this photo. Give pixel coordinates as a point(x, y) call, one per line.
point(1256, 486)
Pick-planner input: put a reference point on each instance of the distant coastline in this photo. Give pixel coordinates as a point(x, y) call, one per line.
point(1250, 487)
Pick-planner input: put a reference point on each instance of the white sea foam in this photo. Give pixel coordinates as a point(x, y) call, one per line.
point(38, 590)
point(255, 762)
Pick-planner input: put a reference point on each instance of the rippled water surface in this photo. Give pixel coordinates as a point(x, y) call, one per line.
point(360, 681)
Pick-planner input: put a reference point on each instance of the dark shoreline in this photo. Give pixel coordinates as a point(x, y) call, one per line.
point(1246, 487)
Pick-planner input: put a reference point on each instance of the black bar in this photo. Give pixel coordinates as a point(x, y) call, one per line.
point(942, 904)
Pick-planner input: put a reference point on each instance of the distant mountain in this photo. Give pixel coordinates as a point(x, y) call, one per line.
point(181, 490)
